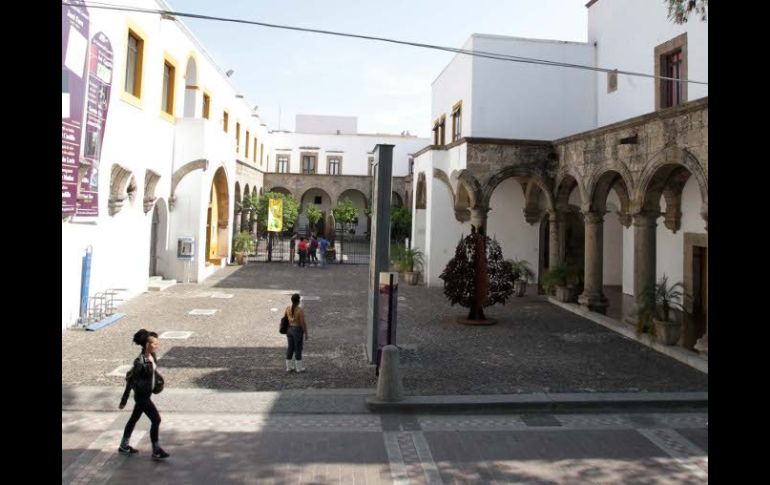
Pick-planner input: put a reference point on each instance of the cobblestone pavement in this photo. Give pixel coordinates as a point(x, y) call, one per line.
point(227, 448)
point(535, 346)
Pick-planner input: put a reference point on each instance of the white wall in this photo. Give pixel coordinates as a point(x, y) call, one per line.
point(628, 260)
point(505, 222)
point(355, 150)
point(528, 101)
point(453, 84)
point(670, 246)
point(626, 33)
point(612, 265)
point(329, 125)
point(443, 231)
point(137, 138)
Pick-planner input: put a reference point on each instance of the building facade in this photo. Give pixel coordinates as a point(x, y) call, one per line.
point(606, 172)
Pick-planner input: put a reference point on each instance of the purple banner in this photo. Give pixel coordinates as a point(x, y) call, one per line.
point(99, 85)
point(74, 48)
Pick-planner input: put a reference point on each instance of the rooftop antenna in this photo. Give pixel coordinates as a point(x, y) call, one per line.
point(229, 72)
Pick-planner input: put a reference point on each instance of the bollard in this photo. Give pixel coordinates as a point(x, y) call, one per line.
point(389, 387)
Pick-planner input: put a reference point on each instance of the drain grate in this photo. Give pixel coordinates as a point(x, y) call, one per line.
point(221, 295)
point(176, 334)
point(199, 311)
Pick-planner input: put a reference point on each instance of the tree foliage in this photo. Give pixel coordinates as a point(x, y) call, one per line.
point(313, 215)
point(400, 223)
point(290, 209)
point(680, 10)
point(345, 211)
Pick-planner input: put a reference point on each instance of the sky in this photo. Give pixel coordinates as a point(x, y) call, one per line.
point(386, 86)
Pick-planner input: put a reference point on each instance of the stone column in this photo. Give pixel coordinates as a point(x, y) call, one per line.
point(593, 297)
point(479, 218)
point(238, 222)
point(644, 252)
point(554, 241)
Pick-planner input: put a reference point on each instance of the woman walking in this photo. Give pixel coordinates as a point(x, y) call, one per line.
point(294, 335)
point(145, 380)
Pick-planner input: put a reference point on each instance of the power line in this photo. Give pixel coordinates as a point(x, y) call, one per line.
point(474, 53)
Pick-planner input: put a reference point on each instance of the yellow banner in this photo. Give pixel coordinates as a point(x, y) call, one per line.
point(275, 215)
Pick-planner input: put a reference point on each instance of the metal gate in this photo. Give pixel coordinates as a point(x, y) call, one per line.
point(351, 249)
point(273, 247)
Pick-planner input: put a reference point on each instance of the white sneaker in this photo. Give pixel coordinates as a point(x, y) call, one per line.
point(300, 367)
point(289, 365)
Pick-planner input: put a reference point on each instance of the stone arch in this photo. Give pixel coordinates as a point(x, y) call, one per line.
point(282, 190)
point(363, 221)
point(395, 200)
point(326, 205)
point(664, 174)
point(469, 192)
point(533, 175)
point(191, 89)
point(121, 180)
point(217, 218)
point(599, 188)
point(563, 189)
point(532, 211)
point(181, 172)
point(151, 179)
point(460, 201)
point(420, 192)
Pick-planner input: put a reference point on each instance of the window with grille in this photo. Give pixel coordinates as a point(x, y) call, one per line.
point(335, 165)
point(282, 163)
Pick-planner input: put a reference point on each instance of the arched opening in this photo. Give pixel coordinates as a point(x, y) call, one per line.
point(237, 209)
point(506, 222)
point(158, 235)
point(610, 199)
point(419, 197)
point(396, 201)
point(217, 219)
point(358, 226)
point(323, 202)
point(191, 90)
point(680, 244)
point(571, 229)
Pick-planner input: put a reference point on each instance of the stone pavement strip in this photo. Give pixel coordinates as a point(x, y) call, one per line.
point(368, 448)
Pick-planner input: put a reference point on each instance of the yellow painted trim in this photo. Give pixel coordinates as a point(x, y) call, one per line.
point(168, 58)
point(237, 136)
point(131, 99)
point(133, 27)
point(167, 117)
point(458, 104)
point(226, 121)
point(193, 87)
point(206, 93)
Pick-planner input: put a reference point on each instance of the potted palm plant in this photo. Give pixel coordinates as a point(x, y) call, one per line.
point(243, 244)
point(411, 262)
point(668, 297)
point(561, 280)
point(655, 314)
point(521, 275)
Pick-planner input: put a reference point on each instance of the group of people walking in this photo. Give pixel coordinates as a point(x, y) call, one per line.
point(307, 248)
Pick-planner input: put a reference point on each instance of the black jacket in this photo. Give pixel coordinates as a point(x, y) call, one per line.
point(139, 378)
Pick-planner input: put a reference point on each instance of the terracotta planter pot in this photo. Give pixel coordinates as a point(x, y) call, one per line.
point(411, 277)
point(667, 333)
point(519, 287)
point(564, 294)
point(240, 258)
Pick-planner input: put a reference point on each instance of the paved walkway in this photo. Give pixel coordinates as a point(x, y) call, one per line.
point(535, 347)
point(240, 448)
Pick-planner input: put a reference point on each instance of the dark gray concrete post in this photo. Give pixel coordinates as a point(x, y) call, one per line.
point(380, 239)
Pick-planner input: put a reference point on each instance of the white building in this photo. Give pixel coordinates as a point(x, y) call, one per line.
point(176, 135)
point(332, 160)
point(556, 162)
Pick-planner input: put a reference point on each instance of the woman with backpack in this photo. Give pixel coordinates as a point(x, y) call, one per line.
point(294, 335)
point(145, 380)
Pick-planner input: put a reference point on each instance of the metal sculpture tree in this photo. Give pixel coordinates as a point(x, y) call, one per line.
point(477, 276)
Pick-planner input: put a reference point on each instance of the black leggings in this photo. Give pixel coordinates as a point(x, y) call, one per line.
point(143, 404)
point(294, 336)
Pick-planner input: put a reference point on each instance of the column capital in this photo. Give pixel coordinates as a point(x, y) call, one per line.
point(592, 217)
point(645, 218)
